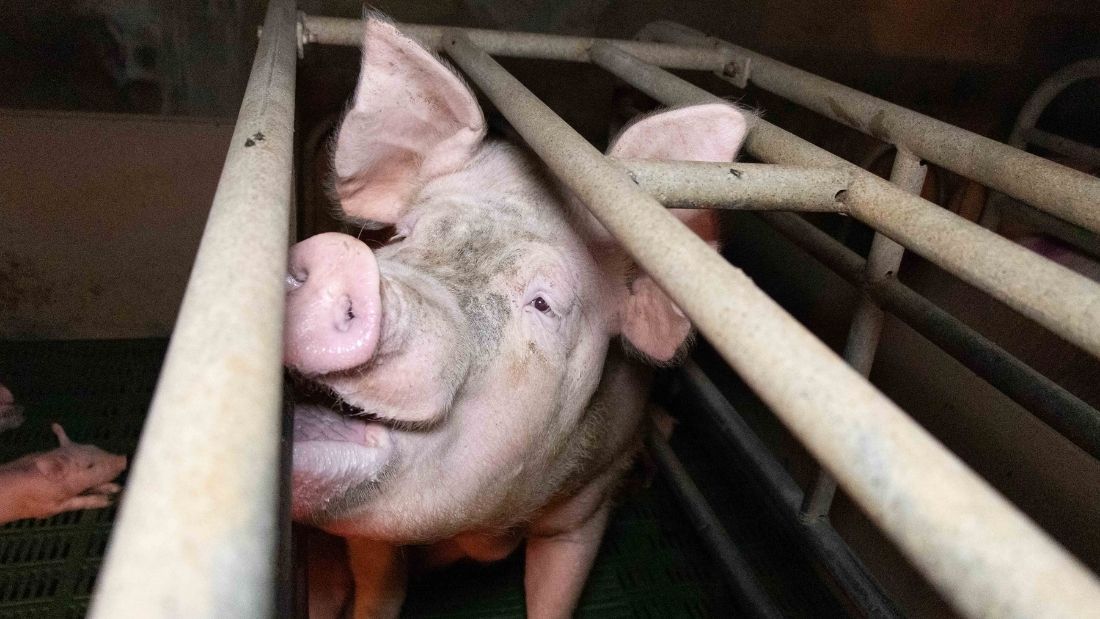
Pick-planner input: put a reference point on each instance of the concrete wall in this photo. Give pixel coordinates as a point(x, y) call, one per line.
point(100, 217)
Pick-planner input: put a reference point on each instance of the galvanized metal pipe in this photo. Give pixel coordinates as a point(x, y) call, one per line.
point(1056, 189)
point(828, 548)
point(740, 186)
point(984, 555)
point(1023, 214)
point(1084, 153)
point(1048, 401)
point(337, 31)
point(197, 534)
point(1051, 87)
point(882, 264)
point(738, 571)
point(773, 144)
point(1056, 297)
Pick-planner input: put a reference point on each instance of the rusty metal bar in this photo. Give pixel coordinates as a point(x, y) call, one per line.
point(737, 570)
point(349, 32)
point(1056, 297)
point(845, 569)
point(1048, 401)
point(983, 554)
point(882, 264)
point(1056, 189)
point(197, 534)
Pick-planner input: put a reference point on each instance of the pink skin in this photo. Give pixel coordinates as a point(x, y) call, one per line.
point(485, 396)
point(71, 477)
point(334, 310)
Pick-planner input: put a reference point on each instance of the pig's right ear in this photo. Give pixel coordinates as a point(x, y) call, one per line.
point(413, 120)
point(52, 465)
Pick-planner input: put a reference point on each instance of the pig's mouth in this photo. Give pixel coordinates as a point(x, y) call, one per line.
point(340, 451)
point(307, 392)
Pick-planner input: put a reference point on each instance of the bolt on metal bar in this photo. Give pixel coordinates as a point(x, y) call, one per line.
point(1056, 189)
point(863, 336)
point(349, 32)
point(737, 569)
point(1048, 401)
point(827, 547)
point(197, 533)
point(1054, 296)
point(740, 186)
point(982, 553)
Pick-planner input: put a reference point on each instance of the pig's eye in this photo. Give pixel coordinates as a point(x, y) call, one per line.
point(541, 305)
point(397, 238)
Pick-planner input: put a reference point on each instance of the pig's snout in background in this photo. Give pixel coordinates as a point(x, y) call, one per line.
point(334, 308)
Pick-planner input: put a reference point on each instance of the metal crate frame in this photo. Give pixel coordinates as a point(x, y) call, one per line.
point(199, 533)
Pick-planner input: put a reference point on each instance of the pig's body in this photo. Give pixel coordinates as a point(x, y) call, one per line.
point(475, 392)
point(71, 477)
point(493, 477)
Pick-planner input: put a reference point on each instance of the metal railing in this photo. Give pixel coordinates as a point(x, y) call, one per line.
point(197, 534)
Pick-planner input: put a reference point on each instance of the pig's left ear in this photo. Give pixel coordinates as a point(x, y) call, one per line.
point(651, 322)
point(413, 120)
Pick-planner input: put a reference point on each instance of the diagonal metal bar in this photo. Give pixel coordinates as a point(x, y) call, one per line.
point(197, 535)
point(1061, 300)
point(1056, 189)
point(1048, 401)
point(863, 335)
point(983, 554)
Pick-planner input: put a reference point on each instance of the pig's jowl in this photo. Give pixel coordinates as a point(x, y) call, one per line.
point(484, 372)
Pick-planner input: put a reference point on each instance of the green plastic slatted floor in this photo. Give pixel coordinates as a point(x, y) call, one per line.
point(651, 563)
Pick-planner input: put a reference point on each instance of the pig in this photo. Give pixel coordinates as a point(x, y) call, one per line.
point(478, 381)
point(71, 477)
point(11, 415)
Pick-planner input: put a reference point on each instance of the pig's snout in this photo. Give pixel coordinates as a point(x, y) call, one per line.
point(334, 307)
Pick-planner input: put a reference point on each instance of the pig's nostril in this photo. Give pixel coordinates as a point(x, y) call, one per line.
point(343, 324)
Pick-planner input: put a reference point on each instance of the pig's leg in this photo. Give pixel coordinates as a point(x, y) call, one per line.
point(329, 577)
point(558, 566)
point(83, 501)
point(380, 575)
point(562, 545)
point(107, 488)
point(481, 547)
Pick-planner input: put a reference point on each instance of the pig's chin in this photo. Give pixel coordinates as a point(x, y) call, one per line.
point(339, 457)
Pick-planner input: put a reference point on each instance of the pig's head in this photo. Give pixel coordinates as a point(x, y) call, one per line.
point(456, 361)
point(78, 468)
